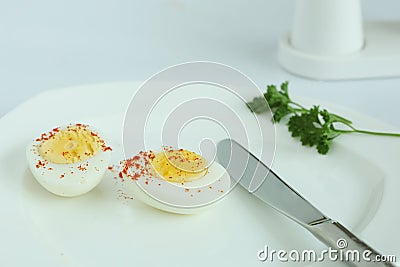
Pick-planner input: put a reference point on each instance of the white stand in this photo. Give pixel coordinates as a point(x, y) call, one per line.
point(328, 42)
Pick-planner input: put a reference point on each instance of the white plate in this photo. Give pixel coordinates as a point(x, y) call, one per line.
point(357, 183)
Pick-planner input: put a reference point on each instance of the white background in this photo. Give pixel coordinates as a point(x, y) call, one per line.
point(47, 44)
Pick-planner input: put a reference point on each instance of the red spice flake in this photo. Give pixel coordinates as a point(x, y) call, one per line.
point(106, 148)
point(198, 190)
point(50, 169)
point(40, 164)
point(62, 175)
point(42, 137)
point(159, 184)
point(147, 182)
point(113, 168)
point(93, 134)
point(47, 136)
point(82, 168)
point(186, 189)
point(137, 166)
point(136, 176)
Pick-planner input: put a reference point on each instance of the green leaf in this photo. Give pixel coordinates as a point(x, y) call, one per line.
point(281, 112)
point(277, 98)
point(285, 88)
point(324, 145)
point(307, 127)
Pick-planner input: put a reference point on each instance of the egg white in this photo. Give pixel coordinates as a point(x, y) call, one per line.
point(68, 180)
point(188, 198)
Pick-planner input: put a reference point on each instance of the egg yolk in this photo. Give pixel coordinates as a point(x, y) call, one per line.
point(73, 144)
point(179, 166)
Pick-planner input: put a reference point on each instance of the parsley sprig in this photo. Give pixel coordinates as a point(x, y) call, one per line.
point(314, 126)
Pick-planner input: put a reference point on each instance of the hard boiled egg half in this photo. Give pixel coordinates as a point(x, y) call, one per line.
point(69, 161)
point(175, 180)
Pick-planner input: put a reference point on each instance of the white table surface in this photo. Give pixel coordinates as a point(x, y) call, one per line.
point(48, 44)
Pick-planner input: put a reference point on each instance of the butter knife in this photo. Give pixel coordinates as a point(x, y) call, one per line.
point(262, 182)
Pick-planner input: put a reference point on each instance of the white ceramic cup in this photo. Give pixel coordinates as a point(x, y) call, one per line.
point(327, 27)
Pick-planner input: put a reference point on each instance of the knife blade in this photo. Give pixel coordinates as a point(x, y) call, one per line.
point(262, 182)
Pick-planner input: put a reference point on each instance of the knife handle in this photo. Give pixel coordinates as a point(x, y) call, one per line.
point(337, 237)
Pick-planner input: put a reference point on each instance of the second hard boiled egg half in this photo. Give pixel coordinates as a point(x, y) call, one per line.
point(175, 180)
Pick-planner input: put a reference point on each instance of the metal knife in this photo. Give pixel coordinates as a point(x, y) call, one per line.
point(262, 182)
